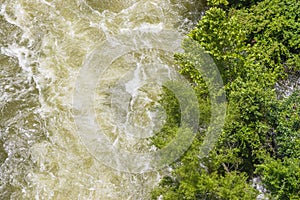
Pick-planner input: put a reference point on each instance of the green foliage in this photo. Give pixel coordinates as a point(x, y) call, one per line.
point(203, 185)
point(243, 40)
point(217, 2)
point(242, 3)
point(281, 173)
point(232, 3)
point(173, 117)
point(281, 177)
point(286, 126)
point(255, 44)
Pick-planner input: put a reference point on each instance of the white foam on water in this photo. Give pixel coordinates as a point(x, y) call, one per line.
point(56, 39)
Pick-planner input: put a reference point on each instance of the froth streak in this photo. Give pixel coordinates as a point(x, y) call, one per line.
point(45, 44)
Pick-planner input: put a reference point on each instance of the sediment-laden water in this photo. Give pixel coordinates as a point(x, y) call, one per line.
point(44, 45)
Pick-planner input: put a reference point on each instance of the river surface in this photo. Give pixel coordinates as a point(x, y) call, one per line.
point(44, 46)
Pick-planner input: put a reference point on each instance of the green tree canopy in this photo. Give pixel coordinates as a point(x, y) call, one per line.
point(255, 45)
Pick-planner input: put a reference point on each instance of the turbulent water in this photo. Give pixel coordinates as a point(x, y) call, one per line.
point(44, 46)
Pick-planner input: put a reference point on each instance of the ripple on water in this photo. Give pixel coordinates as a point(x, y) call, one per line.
point(43, 46)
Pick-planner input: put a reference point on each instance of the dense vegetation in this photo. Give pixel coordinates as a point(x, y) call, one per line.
point(256, 47)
